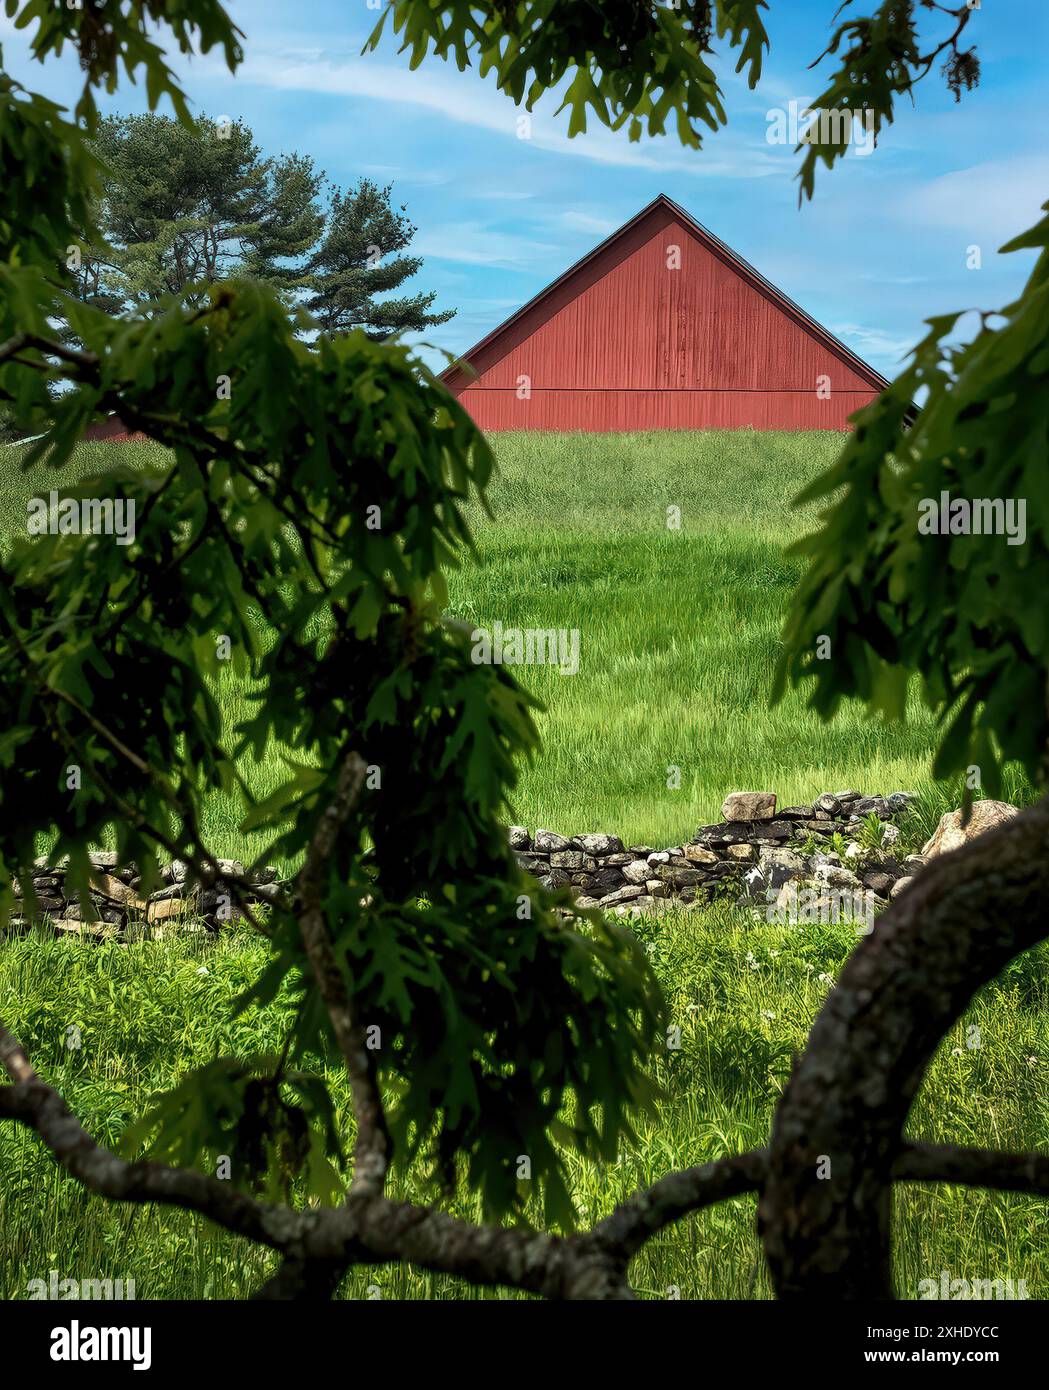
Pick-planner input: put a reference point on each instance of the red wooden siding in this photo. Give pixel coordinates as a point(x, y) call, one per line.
point(624, 342)
point(112, 430)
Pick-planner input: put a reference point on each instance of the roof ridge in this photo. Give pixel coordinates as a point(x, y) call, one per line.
point(715, 244)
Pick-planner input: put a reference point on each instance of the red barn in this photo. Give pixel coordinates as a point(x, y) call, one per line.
point(662, 326)
point(112, 430)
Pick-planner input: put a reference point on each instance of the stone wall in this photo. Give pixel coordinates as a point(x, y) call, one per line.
point(753, 854)
point(117, 908)
point(757, 855)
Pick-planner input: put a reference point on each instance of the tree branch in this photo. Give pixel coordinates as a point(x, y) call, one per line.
point(836, 1137)
point(679, 1194)
point(372, 1151)
point(319, 1243)
point(1010, 1172)
point(34, 1103)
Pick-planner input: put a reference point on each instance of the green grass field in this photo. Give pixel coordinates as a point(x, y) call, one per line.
point(679, 632)
point(745, 997)
point(679, 629)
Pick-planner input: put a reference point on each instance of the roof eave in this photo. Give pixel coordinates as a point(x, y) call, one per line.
point(718, 247)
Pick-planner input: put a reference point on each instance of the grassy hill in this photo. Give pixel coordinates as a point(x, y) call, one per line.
point(678, 628)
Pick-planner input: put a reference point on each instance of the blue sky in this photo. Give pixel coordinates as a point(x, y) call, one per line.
point(883, 246)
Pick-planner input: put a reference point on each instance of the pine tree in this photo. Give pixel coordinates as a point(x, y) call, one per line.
point(187, 206)
point(359, 258)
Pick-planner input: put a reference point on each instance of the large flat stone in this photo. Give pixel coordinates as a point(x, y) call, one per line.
point(601, 845)
point(951, 834)
point(165, 908)
point(111, 887)
point(68, 926)
point(570, 859)
point(731, 832)
point(622, 895)
point(548, 842)
point(680, 878)
point(699, 854)
point(772, 830)
point(749, 806)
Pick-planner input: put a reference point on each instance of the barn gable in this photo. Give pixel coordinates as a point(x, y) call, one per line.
point(662, 326)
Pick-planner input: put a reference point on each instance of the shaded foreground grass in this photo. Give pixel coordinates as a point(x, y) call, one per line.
point(744, 995)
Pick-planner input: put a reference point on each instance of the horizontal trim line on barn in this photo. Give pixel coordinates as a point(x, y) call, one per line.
point(671, 390)
point(641, 337)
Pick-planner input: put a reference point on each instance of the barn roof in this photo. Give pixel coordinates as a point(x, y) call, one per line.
point(718, 248)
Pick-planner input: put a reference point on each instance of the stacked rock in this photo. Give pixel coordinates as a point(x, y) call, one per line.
point(751, 854)
point(115, 905)
point(756, 854)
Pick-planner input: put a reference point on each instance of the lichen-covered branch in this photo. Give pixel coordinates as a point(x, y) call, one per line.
point(37, 1105)
point(1009, 1172)
point(679, 1194)
point(319, 1244)
point(372, 1150)
point(836, 1139)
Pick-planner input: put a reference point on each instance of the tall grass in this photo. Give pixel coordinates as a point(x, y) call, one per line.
point(744, 995)
point(679, 630)
point(679, 636)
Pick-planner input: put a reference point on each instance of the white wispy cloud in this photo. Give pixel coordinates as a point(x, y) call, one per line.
point(472, 244)
point(500, 195)
point(464, 98)
point(585, 222)
point(873, 344)
point(992, 201)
